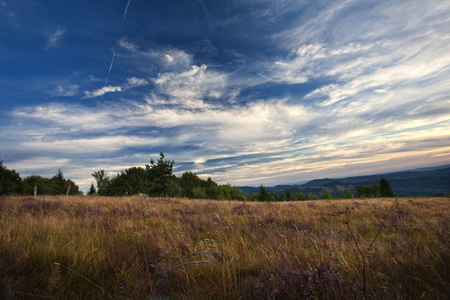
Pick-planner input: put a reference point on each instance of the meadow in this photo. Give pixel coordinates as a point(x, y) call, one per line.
point(154, 248)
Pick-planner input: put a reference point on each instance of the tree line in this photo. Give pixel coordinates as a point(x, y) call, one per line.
point(157, 180)
point(12, 184)
point(384, 189)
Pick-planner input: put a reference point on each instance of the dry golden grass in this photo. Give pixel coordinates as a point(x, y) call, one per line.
point(144, 248)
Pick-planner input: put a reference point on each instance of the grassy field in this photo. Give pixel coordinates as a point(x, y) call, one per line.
point(152, 248)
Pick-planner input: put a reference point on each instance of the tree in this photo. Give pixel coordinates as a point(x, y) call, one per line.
point(373, 191)
point(10, 181)
point(190, 181)
point(103, 182)
point(132, 181)
point(44, 185)
point(198, 192)
point(360, 191)
point(61, 185)
point(273, 197)
point(385, 188)
point(263, 195)
point(212, 189)
point(288, 196)
point(348, 194)
point(159, 176)
point(299, 196)
point(92, 190)
point(326, 194)
point(237, 194)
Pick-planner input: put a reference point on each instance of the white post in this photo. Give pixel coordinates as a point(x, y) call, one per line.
point(34, 191)
point(68, 189)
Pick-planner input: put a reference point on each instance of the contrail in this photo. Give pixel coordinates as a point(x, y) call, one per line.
point(125, 13)
point(114, 53)
point(32, 89)
point(110, 66)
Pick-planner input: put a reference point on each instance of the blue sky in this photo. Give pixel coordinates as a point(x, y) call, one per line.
point(247, 92)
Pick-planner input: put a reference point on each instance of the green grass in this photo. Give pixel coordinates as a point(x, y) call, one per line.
point(145, 248)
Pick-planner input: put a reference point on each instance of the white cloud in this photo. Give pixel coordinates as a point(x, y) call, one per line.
point(192, 86)
point(380, 93)
point(55, 37)
point(312, 50)
point(102, 144)
point(135, 82)
point(132, 82)
point(169, 58)
point(37, 164)
point(124, 43)
point(102, 91)
point(166, 59)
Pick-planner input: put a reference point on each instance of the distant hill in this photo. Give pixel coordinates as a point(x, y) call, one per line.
point(434, 181)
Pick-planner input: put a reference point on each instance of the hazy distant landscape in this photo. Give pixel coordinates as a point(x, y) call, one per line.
point(433, 181)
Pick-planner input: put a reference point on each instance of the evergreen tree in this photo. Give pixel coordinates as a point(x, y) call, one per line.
point(59, 183)
point(263, 195)
point(159, 176)
point(10, 181)
point(385, 188)
point(92, 190)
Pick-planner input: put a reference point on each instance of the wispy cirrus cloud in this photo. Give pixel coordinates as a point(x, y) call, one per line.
point(299, 90)
point(55, 37)
point(65, 90)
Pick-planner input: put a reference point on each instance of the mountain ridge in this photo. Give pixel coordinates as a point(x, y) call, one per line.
point(429, 181)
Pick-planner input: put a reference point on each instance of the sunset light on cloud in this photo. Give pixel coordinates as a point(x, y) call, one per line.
point(246, 92)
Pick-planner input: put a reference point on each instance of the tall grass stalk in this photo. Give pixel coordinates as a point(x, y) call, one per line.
point(364, 253)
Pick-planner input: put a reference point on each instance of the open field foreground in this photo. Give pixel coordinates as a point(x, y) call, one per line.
point(153, 248)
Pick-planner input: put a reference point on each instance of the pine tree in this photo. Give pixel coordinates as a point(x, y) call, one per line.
point(159, 176)
point(385, 188)
point(263, 195)
point(92, 190)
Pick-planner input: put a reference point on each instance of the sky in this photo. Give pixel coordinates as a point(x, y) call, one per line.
point(246, 92)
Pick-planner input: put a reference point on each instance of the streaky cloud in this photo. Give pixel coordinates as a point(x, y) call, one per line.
point(102, 91)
